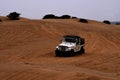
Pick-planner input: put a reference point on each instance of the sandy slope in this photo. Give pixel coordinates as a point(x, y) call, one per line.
point(27, 51)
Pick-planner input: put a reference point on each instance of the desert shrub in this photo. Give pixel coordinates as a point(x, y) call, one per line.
point(83, 20)
point(65, 17)
point(49, 16)
point(13, 16)
point(57, 17)
point(117, 23)
point(106, 22)
point(74, 17)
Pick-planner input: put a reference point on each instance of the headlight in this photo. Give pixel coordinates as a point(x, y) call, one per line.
point(57, 47)
point(63, 48)
point(69, 48)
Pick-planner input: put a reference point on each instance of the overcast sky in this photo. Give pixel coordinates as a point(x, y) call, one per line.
point(89, 9)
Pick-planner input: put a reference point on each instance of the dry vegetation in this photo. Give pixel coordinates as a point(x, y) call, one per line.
point(27, 50)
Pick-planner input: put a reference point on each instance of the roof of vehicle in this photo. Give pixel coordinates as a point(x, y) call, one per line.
point(72, 36)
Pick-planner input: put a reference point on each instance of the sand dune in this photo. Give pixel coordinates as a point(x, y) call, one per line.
point(27, 50)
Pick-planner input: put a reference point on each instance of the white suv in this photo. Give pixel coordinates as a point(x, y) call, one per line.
point(71, 45)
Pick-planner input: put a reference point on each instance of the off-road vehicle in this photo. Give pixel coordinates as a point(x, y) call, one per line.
point(70, 45)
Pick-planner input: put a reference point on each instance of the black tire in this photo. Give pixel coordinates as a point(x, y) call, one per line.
point(79, 52)
point(71, 53)
point(82, 50)
point(57, 53)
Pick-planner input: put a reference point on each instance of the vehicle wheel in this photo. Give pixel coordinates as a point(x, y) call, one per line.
point(57, 53)
point(82, 50)
point(79, 52)
point(71, 53)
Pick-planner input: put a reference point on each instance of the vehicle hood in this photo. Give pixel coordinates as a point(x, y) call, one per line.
point(67, 44)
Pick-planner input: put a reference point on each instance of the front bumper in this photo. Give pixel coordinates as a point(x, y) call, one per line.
point(63, 53)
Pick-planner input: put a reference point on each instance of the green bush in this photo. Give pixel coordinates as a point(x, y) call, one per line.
point(106, 22)
point(13, 16)
point(49, 16)
point(52, 16)
point(83, 20)
point(65, 17)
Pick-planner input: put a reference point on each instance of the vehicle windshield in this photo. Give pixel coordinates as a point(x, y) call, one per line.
point(72, 40)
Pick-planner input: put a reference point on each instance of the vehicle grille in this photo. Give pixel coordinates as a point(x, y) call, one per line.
point(62, 48)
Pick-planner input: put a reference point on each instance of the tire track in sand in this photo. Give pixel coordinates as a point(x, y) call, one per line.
point(74, 69)
point(51, 30)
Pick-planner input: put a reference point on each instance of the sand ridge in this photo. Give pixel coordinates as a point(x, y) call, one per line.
point(27, 50)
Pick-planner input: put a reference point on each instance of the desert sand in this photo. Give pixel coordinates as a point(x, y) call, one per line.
point(27, 50)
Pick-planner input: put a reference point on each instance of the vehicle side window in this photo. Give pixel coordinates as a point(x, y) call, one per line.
point(77, 41)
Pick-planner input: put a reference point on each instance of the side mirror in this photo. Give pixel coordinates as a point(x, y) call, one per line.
point(82, 41)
